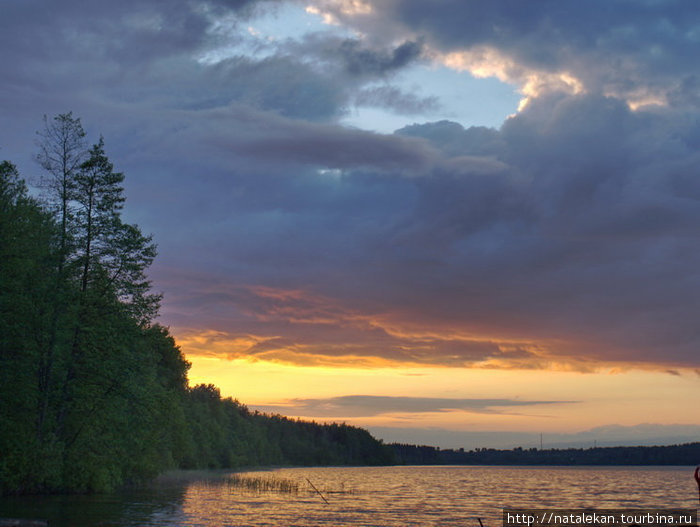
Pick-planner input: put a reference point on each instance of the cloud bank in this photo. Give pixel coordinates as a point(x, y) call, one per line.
point(567, 238)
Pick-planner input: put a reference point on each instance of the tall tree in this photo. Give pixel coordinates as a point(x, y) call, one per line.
point(114, 256)
point(62, 150)
point(98, 191)
point(109, 381)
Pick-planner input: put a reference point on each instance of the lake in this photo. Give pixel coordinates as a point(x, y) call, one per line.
point(368, 496)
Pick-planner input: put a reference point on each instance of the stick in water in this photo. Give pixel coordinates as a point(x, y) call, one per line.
point(319, 492)
point(482, 525)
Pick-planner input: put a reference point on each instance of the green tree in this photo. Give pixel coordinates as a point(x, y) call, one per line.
point(110, 380)
point(62, 150)
point(113, 256)
point(99, 194)
point(26, 286)
point(93, 394)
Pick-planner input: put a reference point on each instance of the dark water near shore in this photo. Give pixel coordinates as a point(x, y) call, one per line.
point(374, 496)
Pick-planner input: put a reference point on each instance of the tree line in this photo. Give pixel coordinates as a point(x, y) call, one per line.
point(685, 454)
point(94, 393)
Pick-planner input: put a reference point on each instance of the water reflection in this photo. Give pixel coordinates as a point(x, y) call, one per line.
point(378, 496)
point(132, 507)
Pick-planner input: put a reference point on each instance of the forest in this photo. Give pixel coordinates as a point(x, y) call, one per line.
point(94, 393)
point(685, 454)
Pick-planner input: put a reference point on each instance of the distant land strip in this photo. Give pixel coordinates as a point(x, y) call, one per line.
point(684, 454)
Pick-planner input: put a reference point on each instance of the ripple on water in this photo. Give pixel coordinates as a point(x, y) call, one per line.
point(373, 497)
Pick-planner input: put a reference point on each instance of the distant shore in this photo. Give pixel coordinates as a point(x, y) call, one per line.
point(687, 454)
point(678, 455)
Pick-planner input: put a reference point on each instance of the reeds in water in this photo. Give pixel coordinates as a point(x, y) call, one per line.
point(263, 484)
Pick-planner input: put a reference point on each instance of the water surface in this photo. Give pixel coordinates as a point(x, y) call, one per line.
point(370, 496)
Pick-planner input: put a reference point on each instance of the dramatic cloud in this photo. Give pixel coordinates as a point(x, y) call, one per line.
point(640, 51)
point(567, 238)
point(535, 244)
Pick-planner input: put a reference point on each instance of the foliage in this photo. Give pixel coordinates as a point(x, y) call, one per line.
point(93, 393)
point(229, 435)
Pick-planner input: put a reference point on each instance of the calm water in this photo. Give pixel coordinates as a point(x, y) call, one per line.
point(376, 497)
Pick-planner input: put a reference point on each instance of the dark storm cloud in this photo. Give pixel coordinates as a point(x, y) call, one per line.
point(355, 58)
point(280, 84)
point(362, 61)
point(393, 98)
point(569, 234)
point(628, 48)
point(178, 56)
point(150, 56)
point(371, 405)
point(454, 140)
point(120, 32)
point(354, 64)
point(336, 147)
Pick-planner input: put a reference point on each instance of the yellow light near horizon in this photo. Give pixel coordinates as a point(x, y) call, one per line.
point(586, 400)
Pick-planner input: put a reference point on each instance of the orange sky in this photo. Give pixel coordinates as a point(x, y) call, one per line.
point(575, 401)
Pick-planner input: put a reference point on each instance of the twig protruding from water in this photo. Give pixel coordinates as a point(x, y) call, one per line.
point(319, 492)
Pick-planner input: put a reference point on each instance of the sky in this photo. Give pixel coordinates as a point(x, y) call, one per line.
point(453, 222)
